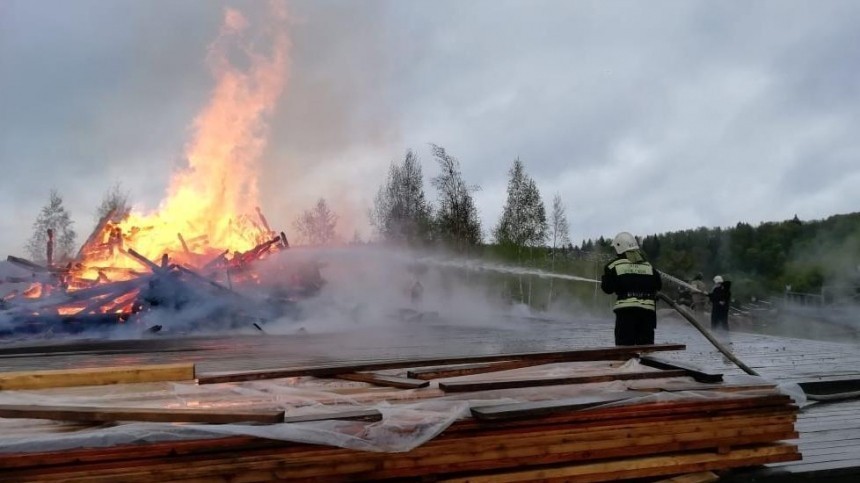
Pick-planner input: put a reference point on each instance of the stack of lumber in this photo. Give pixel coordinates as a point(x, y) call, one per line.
point(498, 444)
point(701, 424)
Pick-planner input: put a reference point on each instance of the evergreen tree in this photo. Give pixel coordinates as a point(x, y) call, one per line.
point(400, 211)
point(54, 217)
point(457, 219)
point(523, 222)
point(317, 225)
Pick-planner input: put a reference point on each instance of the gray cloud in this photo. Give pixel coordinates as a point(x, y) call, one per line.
point(645, 116)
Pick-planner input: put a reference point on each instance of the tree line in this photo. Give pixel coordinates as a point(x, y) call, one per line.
point(794, 255)
point(771, 258)
point(401, 213)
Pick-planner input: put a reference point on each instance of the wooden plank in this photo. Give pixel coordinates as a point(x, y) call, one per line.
point(555, 381)
point(830, 426)
point(814, 472)
point(828, 458)
point(439, 372)
point(145, 261)
point(329, 456)
point(157, 450)
point(27, 264)
point(102, 414)
point(603, 444)
point(541, 451)
point(333, 464)
point(700, 477)
point(620, 428)
point(698, 374)
point(641, 467)
point(827, 436)
point(360, 415)
point(623, 431)
point(657, 410)
point(678, 386)
point(816, 445)
point(544, 408)
point(830, 387)
point(449, 440)
point(384, 380)
point(605, 353)
point(811, 453)
point(96, 376)
point(106, 352)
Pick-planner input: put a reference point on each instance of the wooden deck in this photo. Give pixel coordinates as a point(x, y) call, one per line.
point(830, 433)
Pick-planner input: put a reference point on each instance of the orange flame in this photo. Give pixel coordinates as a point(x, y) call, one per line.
point(34, 291)
point(212, 198)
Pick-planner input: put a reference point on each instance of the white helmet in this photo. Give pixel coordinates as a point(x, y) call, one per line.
point(624, 242)
point(718, 279)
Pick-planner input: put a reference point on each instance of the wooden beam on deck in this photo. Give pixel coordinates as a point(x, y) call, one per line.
point(700, 477)
point(369, 415)
point(597, 354)
point(698, 374)
point(643, 467)
point(439, 372)
point(469, 386)
point(543, 408)
point(156, 415)
point(96, 376)
point(384, 380)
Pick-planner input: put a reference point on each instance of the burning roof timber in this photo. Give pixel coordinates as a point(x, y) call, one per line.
point(110, 282)
point(169, 258)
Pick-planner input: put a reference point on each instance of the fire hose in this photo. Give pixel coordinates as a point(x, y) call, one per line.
point(729, 355)
point(701, 328)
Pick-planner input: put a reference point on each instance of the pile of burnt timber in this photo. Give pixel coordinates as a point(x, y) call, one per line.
point(93, 291)
point(613, 435)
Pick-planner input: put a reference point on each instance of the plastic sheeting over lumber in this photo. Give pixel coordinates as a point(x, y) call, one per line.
point(410, 418)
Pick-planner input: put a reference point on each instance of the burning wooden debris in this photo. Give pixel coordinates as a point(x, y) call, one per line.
point(110, 282)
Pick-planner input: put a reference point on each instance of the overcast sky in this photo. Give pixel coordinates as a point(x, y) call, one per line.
point(644, 116)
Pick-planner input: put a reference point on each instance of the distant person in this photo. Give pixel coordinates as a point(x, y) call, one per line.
point(416, 293)
point(700, 295)
point(721, 296)
point(635, 283)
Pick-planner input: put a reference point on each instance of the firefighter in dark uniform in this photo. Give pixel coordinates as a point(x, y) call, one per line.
point(635, 283)
point(721, 297)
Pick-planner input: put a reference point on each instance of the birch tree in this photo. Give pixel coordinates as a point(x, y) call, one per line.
point(523, 222)
point(559, 234)
point(559, 230)
point(401, 213)
point(457, 221)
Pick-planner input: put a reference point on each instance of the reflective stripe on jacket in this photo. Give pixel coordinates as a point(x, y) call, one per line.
point(634, 282)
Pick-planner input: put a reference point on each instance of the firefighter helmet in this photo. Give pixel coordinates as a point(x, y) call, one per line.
point(624, 242)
